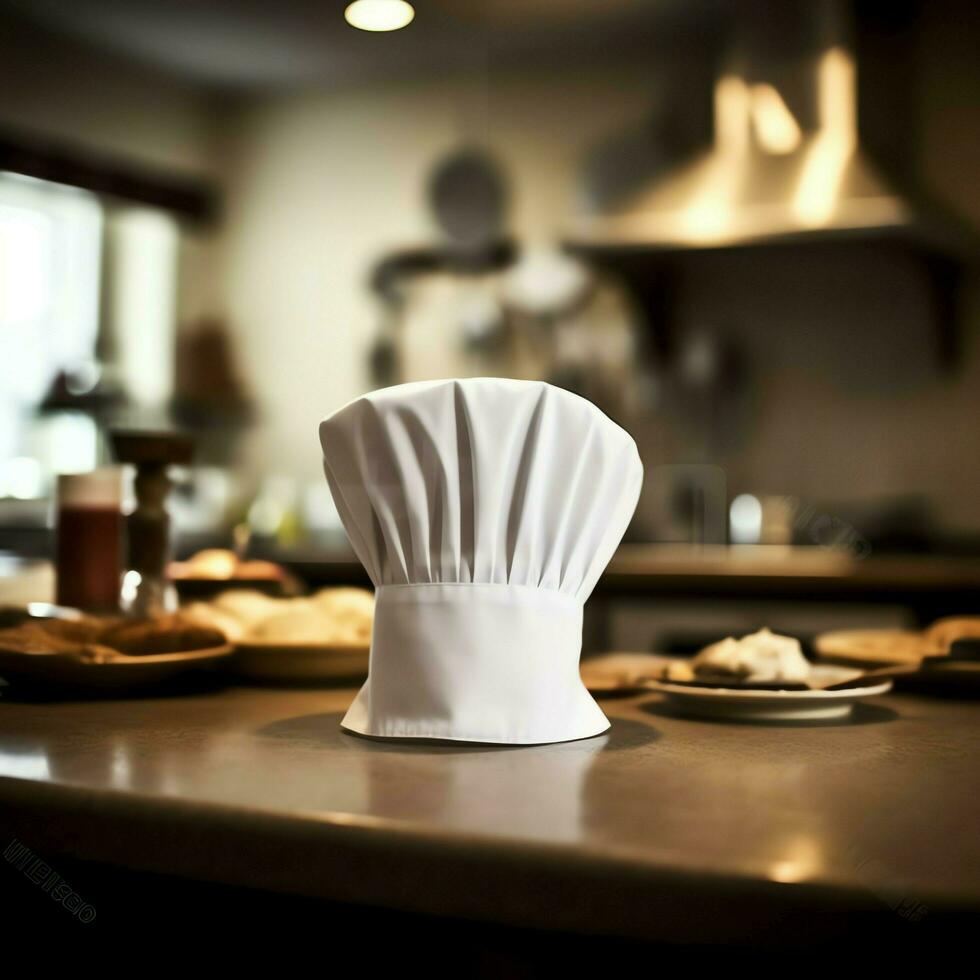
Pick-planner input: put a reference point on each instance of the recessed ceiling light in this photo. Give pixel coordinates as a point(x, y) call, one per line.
point(379, 15)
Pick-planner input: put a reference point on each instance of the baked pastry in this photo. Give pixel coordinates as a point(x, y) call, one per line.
point(871, 646)
point(679, 671)
point(334, 617)
point(33, 637)
point(86, 629)
point(943, 633)
point(300, 624)
point(351, 610)
point(619, 671)
point(764, 656)
point(216, 564)
point(171, 633)
point(330, 617)
point(209, 615)
point(248, 606)
point(345, 599)
point(101, 640)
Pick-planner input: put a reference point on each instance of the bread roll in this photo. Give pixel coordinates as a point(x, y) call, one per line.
point(939, 637)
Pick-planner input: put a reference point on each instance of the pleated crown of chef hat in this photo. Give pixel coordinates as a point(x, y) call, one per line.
point(484, 511)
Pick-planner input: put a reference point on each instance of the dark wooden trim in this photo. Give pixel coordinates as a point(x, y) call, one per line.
point(192, 198)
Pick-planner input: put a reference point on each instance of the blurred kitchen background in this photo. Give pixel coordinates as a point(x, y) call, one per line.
point(747, 229)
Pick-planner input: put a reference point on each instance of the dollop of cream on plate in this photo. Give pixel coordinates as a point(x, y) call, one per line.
point(762, 656)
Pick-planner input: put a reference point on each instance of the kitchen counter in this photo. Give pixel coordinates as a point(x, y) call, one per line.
point(664, 828)
point(930, 586)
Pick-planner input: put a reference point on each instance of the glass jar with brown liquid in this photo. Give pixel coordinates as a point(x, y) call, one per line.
point(89, 533)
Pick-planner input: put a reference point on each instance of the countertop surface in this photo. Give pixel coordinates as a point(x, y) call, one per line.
point(261, 788)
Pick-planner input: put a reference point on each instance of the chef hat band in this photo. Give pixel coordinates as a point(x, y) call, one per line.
point(484, 663)
point(484, 511)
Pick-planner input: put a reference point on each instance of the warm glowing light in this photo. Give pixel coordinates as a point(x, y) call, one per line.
point(707, 219)
point(732, 108)
point(708, 216)
point(800, 861)
point(836, 94)
point(379, 15)
point(787, 872)
point(775, 126)
point(131, 582)
point(817, 192)
point(745, 519)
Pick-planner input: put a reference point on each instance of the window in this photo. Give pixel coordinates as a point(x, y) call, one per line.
point(50, 256)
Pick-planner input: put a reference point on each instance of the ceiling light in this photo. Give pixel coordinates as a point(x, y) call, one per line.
point(379, 15)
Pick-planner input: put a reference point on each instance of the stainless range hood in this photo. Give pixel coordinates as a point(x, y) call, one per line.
point(788, 162)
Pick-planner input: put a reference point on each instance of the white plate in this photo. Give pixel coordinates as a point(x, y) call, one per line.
point(300, 662)
point(754, 705)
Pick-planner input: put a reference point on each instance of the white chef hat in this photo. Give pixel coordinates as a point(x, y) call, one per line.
point(484, 511)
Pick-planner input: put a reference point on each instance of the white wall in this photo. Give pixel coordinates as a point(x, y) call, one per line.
point(325, 184)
